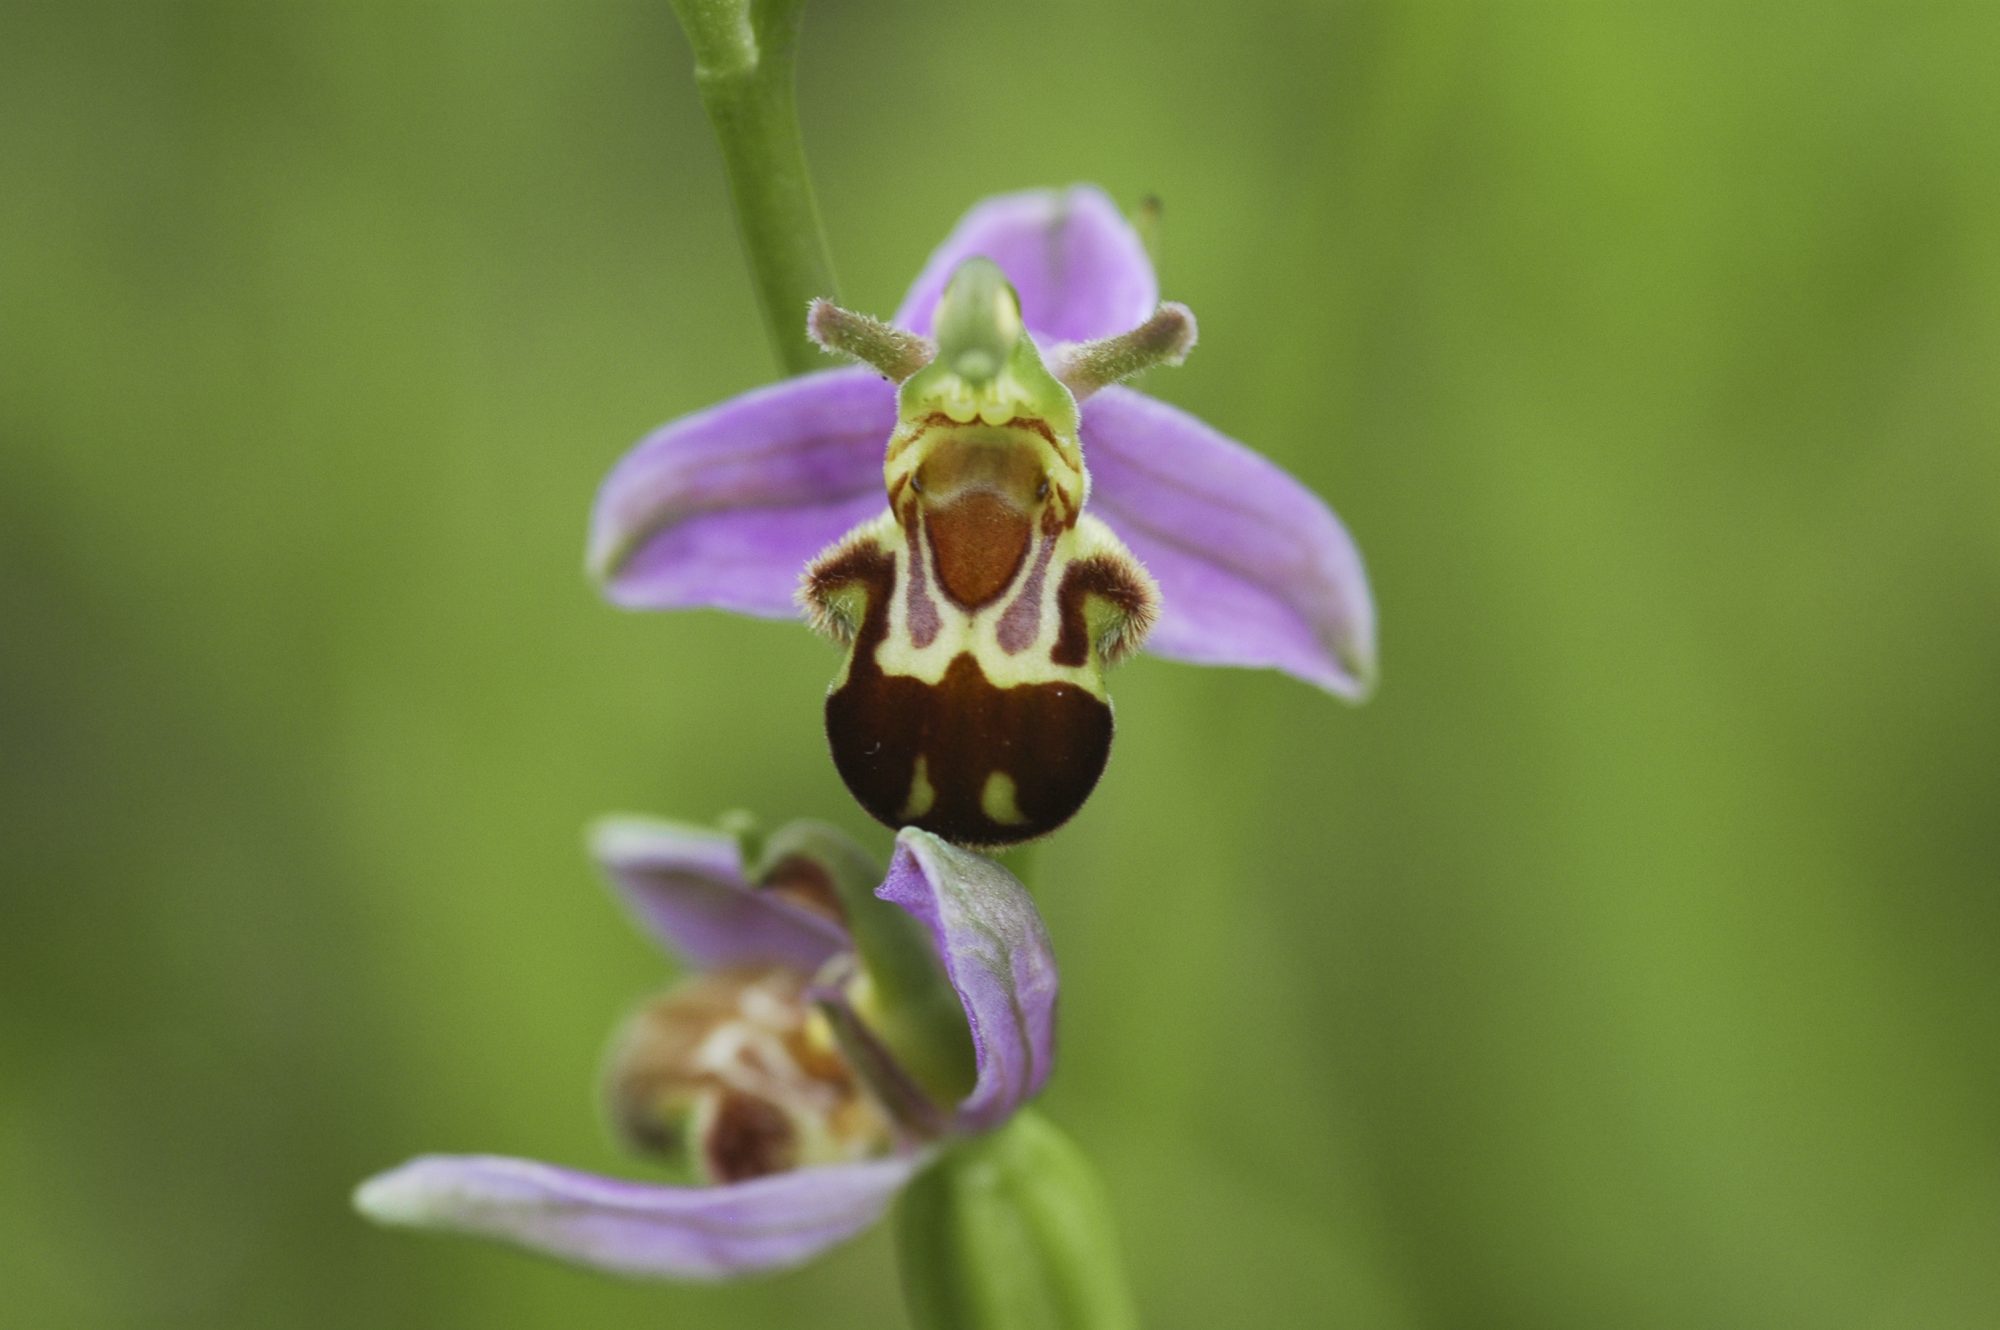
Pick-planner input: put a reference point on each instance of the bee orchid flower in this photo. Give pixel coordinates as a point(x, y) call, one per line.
point(992, 527)
point(837, 1036)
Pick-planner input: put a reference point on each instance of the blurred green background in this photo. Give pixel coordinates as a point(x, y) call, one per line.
point(1630, 961)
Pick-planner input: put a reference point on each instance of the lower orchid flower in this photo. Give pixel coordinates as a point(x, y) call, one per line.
point(982, 600)
point(836, 1038)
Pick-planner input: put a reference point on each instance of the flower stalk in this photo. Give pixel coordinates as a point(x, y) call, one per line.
point(850, 1040)
point(1012, 1231)
point(745, 54)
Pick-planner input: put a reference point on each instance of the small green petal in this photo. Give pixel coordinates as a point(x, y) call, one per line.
point(907, 1001)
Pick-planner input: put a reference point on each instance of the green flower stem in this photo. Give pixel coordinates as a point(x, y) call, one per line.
point(1011, 1231)
point(745, 54)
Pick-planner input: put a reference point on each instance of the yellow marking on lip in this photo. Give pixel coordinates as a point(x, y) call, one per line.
point(923, 795)
point(996, 800)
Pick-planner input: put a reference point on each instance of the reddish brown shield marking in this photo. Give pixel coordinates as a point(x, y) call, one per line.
point(980, 540)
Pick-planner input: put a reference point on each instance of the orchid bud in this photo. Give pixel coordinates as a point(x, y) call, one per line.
point(1012, 1232)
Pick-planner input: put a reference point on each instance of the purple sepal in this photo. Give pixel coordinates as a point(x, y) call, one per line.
point(724, 508)
point(686, 888)
point(1077, 264)
point(633, 1228)
point(996, 954)
point(1253, 568)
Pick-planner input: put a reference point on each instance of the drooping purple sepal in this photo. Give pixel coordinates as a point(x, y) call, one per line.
point(723, 508)
point(996, 954)
point(632, 1228)
point(1253, 568)
point(1074, 260)
point(686, 888)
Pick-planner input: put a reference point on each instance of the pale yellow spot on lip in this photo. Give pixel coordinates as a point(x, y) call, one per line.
point(996, 800)
point(923, 795)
